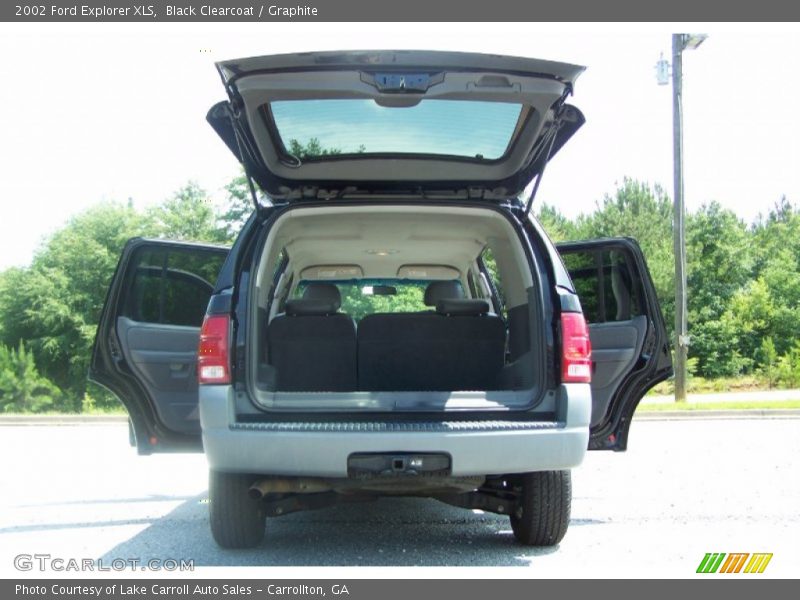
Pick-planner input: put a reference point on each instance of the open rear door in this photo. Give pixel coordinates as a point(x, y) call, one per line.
point(145, 350)
point(630, 347)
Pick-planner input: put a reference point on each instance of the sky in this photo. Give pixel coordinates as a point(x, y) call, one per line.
point(98, 111)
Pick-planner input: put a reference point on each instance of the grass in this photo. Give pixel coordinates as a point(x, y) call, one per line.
point(697, 385)
point(108, 411)
point(692, 406)
point(700, 385)
point(94, 412)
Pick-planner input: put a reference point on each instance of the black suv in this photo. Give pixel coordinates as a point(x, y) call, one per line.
point(391, 319)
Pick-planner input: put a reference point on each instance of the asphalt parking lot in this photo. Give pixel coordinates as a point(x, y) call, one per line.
point(684, 488)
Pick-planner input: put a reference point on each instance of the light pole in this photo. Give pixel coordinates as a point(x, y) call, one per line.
point(680, 42)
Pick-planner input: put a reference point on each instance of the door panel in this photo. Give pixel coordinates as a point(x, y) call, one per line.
point(630, 351)
point(165, 358)
point(146, 345)
point(615, 349)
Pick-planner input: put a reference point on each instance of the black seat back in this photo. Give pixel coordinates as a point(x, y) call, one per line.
point(312, 346)
point(459, 347)
point(442, 290)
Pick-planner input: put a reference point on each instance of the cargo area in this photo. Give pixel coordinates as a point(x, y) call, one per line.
point(393, 307)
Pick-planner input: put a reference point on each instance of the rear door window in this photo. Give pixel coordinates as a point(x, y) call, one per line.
point(604, 284)
point(172, 286)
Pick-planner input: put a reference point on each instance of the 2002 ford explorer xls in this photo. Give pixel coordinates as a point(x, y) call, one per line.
point(391, 319)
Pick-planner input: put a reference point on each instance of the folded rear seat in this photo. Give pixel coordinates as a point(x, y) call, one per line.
point(458, 347)
point(312, 346)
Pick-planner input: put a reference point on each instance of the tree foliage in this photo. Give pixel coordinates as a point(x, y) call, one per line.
point(557, 226)
point(358, 301)
point(743, 282)
point(188, 215)
point(22, 388)
point(313, 149)
point(644, 213)
point(239, 206)
point(719, 265)
point(54, 305)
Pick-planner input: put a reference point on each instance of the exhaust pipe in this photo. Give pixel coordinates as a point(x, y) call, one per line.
point(289, 485)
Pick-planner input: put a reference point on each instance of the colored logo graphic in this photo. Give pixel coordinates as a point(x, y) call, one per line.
point(737, 562)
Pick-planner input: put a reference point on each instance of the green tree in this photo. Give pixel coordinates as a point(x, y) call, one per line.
point(188, 215)
point(768, 357)
point(22, 388)
point(357, 303)
point(779, 231)
point(788, 370)
point(239, 207)
point(781, 276)
point(313, 149)
point(719, 256)
point(642, 212)
point(719, 263)
point(54, 305)
point(556, 225)
point(750, 318)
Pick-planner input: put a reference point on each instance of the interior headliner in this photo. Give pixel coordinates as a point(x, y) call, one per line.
point(382, 239)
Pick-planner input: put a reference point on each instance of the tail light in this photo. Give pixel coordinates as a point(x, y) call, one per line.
point(576, 349)
point(213, 360)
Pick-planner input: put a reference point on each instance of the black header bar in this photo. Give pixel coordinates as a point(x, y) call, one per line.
point(399, 10)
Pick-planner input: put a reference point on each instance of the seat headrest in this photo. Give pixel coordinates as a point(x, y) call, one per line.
point(298, 307)
point(440, 290)
point(324, 292)
point(462, 308)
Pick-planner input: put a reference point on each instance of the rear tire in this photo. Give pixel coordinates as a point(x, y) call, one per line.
point(237, 521)
point(542, 516)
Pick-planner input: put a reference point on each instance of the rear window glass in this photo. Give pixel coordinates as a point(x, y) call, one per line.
point(367, 296)
point(464, 128)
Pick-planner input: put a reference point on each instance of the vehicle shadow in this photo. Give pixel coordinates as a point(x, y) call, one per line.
point(388, 532)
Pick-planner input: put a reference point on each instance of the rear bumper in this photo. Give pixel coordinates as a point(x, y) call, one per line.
point(477, 448)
